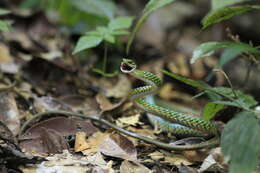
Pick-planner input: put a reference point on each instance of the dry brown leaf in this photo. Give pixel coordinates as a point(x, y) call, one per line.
point(214, 162)
point(104, 103)
point(65, 126)
point(119, 146)
point(173, 159)
point(130, 120)
point(80, 142)
point(79, 103)
point(93, 142)
point(9, 113)
point(68, 163)
point(45, 103)
point(196, 155)
point(115, 87)
point(129, 167)
point(5, 55)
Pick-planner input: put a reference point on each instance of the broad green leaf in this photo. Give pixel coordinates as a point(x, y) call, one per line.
point(119, 32)
point(210, 110)
point(206, 49)
point(103, 8)
point(4, 11)
point(229, 54)
point(4, 26)
point(120, 23)
point(226, 13)
point(240, 143)
point(110, 38)
point(239, 100)
point(151, 6)
point(86, 42)
point(216, 4)
point(26, 4)
point(242, 100)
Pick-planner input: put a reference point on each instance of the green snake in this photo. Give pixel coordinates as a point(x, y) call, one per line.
point(168, 120)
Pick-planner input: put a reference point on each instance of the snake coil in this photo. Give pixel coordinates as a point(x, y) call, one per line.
point(166, 119)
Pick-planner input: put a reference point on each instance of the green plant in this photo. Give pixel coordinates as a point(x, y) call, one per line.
point(116, 27)
point(4, 24)
point(79, 16)
point(240, 140)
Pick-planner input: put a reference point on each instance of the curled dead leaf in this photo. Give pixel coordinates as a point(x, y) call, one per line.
point(116, 145)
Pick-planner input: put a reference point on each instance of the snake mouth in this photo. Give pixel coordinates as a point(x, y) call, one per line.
point(127, 68)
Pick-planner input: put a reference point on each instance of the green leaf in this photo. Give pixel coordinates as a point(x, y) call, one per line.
point(226, 13)
point(210, 110)
point(86, 42)
point(216, 4)
point(242, 100)
point(110, 38)
point(194, 83)
point(206, 49)
point(103, 8)
point(4, 11)
point(4, 26)
point(151, 6)
point(229, 54)
point(240, 143)
point(119, 32)
point(120, 23)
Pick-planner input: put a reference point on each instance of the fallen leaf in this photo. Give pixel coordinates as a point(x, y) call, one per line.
point(130, 167)
point(5, 55)
point(93, 142)
point(49, 142)
point(214, 162)
point(116, 145)
point(104, 103)
point(9, 113)
point(173, 159)
point(65, 126)
point(80, 142)
point(126, 121)
point(186, 169)
point(45, 103)
point(79, 103)
point(68, 163)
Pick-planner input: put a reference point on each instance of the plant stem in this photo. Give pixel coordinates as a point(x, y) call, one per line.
point(105, 59)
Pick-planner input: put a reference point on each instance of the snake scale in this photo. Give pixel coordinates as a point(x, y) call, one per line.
point(168, 120)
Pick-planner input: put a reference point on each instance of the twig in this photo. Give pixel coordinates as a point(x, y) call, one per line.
point(126, 132)
point(227, 78)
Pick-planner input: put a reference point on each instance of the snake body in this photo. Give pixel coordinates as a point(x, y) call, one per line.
point(168, 120)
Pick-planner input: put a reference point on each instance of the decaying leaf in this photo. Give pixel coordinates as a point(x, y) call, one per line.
point(68, 163)
point(9, 114)
point(65, 126)
point(80, 142)
point(48, 136)
point(93, 142)
point(214, 162)
point(116, 145)
point(126, 121)
point(129, 167)
point(42, 104)
point(173, 159)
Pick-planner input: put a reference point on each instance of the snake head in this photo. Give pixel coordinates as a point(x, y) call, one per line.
point(127, 65)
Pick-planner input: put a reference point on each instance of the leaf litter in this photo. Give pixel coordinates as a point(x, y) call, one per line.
point(53, 80)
